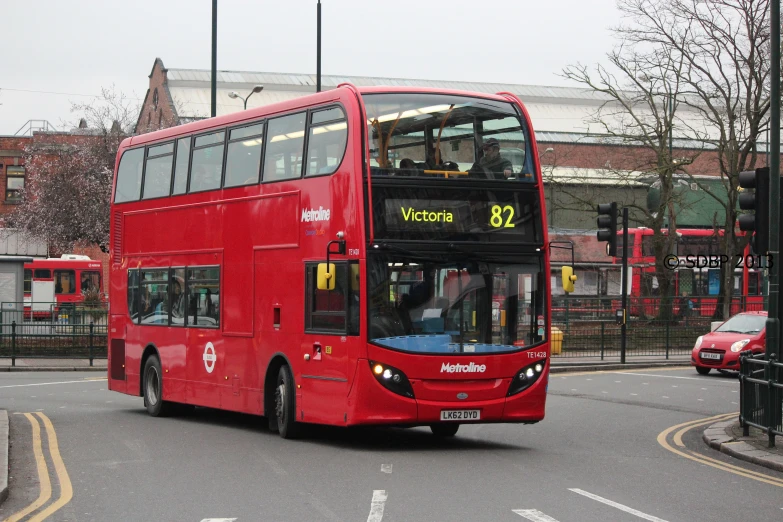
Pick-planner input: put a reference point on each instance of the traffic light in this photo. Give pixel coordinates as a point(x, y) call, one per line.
point(759, 203)
point(607, 226)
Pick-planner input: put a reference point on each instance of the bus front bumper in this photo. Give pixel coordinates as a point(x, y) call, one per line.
point(369, 403)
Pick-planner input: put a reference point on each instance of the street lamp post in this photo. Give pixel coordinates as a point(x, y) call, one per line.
point(234, 94)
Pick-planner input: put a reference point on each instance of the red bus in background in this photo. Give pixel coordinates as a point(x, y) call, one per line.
point(52, 282)
point(698, 284)
point(355, 256)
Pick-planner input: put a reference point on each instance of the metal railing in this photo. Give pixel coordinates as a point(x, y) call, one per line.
point(66, 332)
point(761, 394)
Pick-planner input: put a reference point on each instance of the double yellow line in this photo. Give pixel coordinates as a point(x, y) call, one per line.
point(680, 449)
point(66, 490)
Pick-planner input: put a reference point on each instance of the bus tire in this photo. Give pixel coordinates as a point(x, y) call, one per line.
point(703, 370)
point(285, 404)
point(444, 429)
point(153, 389)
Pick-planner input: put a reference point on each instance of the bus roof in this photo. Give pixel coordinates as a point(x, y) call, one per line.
point(320, 98)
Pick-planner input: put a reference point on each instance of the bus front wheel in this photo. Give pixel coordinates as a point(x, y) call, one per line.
point(153, 389)
point(285, 404)
point(444, 430)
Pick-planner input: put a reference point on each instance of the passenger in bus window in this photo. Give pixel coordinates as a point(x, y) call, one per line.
point(491, 165)
point(177, 300)
point(86, 286)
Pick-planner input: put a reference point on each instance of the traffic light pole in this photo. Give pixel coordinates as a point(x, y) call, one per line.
point(773, 317)
point(624, 286)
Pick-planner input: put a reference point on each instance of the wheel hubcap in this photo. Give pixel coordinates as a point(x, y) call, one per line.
point(153, 386)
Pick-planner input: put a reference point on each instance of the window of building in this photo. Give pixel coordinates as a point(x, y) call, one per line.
point(203, 291)
point(207, 164)
point(326, 143)
point(155, 99)
point(243, 160)
point(14, 184)
point(157, 173)
point(285, 147)
point(181, 166)
point(129, 176)
point(335, 311)
point(64, 282)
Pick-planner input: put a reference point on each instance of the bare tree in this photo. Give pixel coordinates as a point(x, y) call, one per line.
point(68, 195)
point(640, 111)
point(711, 58)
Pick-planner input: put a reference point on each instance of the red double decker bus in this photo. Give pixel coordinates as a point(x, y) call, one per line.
point(53, 282)
point(695, 279)
point(356, 256)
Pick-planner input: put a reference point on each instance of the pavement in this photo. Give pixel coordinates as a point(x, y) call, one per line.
point(727, 437)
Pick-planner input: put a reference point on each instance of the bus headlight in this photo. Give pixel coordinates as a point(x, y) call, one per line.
point(525, 378)
point(392, 379)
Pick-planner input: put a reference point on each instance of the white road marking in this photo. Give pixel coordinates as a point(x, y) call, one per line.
point(618, 381)
point(700, 400)
point(634, 394)
point(604, 392)
point(376, 508)
point(218, 519)
point(617, 505)
point(386, 468)
point(573, 389)
point(535, 515)
point(677, 377)
point(40, 384)
point(664, 397)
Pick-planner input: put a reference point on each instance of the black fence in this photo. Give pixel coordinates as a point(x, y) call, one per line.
point(70, 333)
point(761, 394)
point(581, 327)
point(588, 326)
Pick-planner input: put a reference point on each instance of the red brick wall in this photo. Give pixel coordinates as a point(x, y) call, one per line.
point(10, 145)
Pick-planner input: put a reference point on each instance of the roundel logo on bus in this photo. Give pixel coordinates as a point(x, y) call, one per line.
point(209, 357)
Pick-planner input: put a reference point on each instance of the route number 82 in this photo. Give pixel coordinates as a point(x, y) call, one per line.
point(498, 213)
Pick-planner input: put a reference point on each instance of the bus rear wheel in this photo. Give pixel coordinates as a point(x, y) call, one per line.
point(444, 430)
point(153, 389)
point(285, 404)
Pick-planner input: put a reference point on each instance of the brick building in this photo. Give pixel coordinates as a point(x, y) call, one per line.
point(16, 166)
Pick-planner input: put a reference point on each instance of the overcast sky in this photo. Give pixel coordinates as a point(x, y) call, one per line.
point(65, 50)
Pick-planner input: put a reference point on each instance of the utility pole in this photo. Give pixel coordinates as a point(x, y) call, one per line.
point(318, 52)
point(623, 338)
point(214, 58)
point(773, 318)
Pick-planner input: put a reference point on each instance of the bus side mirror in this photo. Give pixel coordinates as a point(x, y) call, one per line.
point(326, 276)
point(568, 279)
